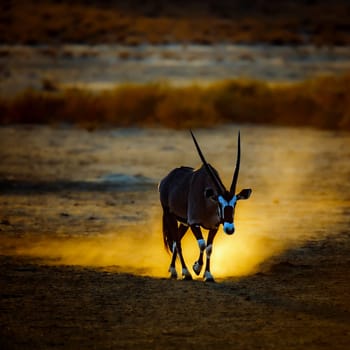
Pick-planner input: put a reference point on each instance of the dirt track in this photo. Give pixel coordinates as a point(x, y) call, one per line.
point(297, 300)
point(301, 301)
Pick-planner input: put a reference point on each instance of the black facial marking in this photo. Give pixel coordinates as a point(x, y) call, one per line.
point(227, 196)
point(228, 214)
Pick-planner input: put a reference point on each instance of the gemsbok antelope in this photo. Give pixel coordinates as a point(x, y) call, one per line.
point(197, 198)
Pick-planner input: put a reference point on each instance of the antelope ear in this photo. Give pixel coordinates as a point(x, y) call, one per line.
point(244, 194)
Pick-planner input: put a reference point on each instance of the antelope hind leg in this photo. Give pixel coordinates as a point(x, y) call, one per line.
point(185, 273)
point(172, 268)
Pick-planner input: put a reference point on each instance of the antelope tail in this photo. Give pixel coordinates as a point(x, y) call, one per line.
point(168, 226)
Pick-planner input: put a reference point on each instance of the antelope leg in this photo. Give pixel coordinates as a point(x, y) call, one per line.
point(181, 232)
point(208, 277)
point(185, 273)
point(197, 266)
point(172, 268)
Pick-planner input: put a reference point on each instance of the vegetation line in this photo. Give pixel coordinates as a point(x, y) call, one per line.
point(321, 103)
point(135, 22)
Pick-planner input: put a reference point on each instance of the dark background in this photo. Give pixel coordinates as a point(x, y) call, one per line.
point(135, 22)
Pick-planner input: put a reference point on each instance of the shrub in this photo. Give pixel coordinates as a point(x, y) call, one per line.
point(323, 103)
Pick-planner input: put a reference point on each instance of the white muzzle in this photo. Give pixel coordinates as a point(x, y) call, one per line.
point(229, 228)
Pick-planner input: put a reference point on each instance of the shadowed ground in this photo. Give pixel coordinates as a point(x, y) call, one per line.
point(292, 305)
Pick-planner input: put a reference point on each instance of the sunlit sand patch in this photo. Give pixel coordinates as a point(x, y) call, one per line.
point(140, 251)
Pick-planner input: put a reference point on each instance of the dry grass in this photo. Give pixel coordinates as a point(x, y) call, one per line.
point(135, 22)
point(321, 103)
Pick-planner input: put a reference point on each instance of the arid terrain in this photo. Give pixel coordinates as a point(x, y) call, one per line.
point(103, 67)
point(81, 259)
point(96, 99)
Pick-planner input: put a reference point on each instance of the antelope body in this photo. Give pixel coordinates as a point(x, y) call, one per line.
point(193, 199)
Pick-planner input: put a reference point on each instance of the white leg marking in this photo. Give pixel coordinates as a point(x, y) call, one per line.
point(208, 277)
point(209, 250)
point(174, 247)
point(201, 244)
point(197, 268)
point(173, 273)
point(186, 274)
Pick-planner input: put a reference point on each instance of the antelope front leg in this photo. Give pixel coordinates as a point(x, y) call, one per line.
point(207, 275)
point(197, 266)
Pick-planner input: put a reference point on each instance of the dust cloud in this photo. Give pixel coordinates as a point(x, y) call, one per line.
point(130, 249)
point(140, 250)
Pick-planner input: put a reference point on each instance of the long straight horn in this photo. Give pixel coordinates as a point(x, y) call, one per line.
point(235, 175)
point(213, 177)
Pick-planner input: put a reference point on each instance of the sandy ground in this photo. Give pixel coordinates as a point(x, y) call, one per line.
point(300, 302)
point(57, 207)
point(105, 66)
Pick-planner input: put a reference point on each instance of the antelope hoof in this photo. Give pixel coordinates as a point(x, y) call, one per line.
point(173, 273)
point(210, 280)
point(186, 276)
point(197, 268)
point(208, 277)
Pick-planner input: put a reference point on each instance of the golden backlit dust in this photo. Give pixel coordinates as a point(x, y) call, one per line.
point(140, 250)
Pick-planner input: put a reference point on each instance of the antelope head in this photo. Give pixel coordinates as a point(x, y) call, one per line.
point(225, 199)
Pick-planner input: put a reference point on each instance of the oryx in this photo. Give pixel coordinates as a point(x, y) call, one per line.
point(197, 198)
